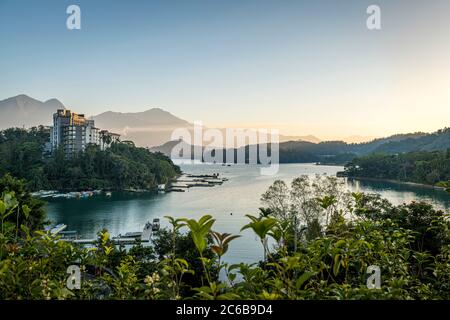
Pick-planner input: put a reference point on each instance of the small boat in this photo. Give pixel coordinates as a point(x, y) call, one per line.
point(108, 193)
point(69, 235)
point(56, 229)
point(129, 235)
point(147, 232)
point(73, 195)
point(43, 193)
point(133, 234)
point(86, 194)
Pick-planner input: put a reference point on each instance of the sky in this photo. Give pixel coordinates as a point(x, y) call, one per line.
point(303, 67)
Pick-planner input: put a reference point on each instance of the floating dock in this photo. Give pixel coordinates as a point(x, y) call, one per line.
point(128, 239)
point(195, 180)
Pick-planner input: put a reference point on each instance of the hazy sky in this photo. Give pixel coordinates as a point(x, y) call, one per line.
point(305, 67)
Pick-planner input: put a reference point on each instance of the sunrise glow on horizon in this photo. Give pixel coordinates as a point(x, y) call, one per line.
point(303, 68)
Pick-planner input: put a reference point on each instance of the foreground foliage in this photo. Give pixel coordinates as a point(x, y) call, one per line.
point(410, 243)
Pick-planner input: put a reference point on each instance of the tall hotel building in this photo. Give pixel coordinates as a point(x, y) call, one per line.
point(74, 132)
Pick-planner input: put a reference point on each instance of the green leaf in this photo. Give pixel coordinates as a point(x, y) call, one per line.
point(337, 264)
point(2, 208)
point(228, 296)
point(204, 219)
point(230, 238)
point(105, 237)
point(182, 262)
point(260, 226)
point(200, 230)
point(303, 278)
point(26, 211)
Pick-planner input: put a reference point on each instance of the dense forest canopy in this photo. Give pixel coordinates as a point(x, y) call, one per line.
point(119, 167)
point(420, 167)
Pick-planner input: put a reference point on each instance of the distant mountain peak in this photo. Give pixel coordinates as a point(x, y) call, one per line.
point(151, 110)
point(160, 111)
point(53, 101)
point(22, 96)
point(154, 117)
point(24, 111)
point(156, 109)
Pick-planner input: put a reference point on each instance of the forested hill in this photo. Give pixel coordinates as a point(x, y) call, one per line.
point(439, 140)
point(432, 168)
point(122, 166)
point(341, 152)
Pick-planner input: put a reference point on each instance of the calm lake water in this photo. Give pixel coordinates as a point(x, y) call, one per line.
point(125, 212)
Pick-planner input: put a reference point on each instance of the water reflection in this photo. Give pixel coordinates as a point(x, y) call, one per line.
point(399, 193)
point(125, 212)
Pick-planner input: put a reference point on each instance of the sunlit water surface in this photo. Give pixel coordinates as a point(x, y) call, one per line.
point(228, 203)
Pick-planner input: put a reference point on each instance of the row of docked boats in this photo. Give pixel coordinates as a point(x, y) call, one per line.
point(68, 195)
point(127, 238)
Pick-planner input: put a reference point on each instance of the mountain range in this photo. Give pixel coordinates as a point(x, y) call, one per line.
point(147, 129)
point(334, 152)
point(24, 111)
point(153, 128)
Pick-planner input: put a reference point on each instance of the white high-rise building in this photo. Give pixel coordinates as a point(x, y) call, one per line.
point(92, 133)
point(74, 132)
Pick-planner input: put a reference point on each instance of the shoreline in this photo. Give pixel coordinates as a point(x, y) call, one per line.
point(408, 183)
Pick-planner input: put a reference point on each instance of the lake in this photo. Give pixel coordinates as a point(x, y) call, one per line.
point(227, 203)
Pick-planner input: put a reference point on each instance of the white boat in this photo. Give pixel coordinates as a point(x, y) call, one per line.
point(43, 193)
point(128, 235)
point(56, 229)
point(147, 232)
point(59, 195)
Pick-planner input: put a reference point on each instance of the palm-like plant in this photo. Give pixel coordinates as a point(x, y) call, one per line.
point(326, 203)
point(222, 241)
point(261, 226)
point(199, 233)
point(177, 224)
